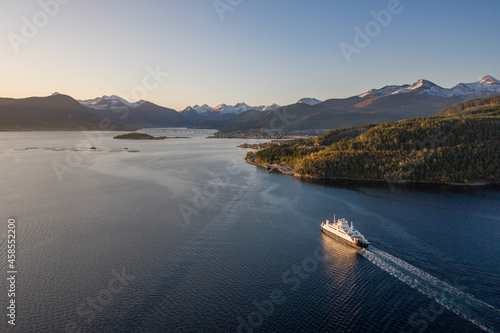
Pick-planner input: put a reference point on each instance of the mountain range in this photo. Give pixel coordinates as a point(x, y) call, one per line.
point(310, 101)
point(57, 112)
point(205, 115)
point(389, 103)
point(230, 109)
point(487, 84)
point(141, 114)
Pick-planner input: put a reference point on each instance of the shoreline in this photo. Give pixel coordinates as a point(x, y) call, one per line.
point(155, 138)
point(271, 168)
point(117, 128)
point(359, 181)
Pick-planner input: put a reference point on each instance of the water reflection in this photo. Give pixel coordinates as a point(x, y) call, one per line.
point(341, 262)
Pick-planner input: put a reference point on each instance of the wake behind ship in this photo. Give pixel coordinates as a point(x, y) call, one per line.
point(340, 230)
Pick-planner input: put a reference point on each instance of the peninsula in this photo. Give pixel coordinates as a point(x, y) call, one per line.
point(458, 146)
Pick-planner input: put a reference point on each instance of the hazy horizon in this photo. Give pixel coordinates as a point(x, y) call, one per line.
point(214, 105)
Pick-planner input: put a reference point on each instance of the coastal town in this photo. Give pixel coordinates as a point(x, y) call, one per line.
point(271, 168)
point(266, 134)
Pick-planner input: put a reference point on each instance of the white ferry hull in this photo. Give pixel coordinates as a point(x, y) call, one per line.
point(355, 243)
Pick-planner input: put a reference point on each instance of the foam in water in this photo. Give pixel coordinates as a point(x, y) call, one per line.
point(453, 299)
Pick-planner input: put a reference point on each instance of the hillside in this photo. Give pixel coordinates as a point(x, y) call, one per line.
point(462, 147)
point(471, 105)
point(353, 111)
point(57, 112)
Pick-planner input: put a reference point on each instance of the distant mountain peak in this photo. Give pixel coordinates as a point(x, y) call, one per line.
point(230, 109)
point(425, 86)
point(387, 90)
point(310, 101)
point(489, 79)
point(109, 102)
point(423, 83)
point(271, 107)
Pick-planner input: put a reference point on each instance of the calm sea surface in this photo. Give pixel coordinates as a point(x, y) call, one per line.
point(184, 236)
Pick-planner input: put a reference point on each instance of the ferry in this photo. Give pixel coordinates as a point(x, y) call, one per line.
point(340, 230)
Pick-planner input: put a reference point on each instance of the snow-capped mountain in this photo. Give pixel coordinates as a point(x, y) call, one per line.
point(110, 102)
point(424, 87)
point(236, 109)
point(390, 103)
point(269, 108)
point(310, 101)
point(230, 109)
point(142, 114)
point(488, 85)
point(199, 109)
point(489, 79)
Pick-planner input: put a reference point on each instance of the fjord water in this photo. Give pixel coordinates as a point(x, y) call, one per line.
point(156, 241)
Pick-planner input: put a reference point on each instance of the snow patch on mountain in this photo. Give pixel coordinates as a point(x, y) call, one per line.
point(425, 87)
point(269, 107)
point(310, 101)
point(110, 102)
point(387, 90)
point(489, 80)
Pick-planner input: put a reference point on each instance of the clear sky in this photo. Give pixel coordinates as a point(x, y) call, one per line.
point(260, 52)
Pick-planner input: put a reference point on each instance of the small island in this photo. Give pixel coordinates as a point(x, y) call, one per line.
point(144, 136)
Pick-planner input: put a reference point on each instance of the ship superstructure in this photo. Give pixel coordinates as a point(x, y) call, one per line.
point(340, 230)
